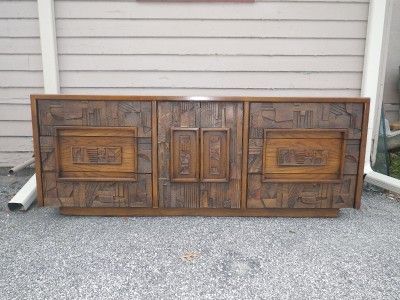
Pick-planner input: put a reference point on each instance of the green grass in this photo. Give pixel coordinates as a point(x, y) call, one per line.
point(394, 166)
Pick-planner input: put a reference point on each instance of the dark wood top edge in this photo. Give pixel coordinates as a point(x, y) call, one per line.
point(197, 98)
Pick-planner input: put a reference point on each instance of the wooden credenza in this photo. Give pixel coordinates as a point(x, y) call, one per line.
point(214, 156)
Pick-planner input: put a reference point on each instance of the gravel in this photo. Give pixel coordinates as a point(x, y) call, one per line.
point(44, 255)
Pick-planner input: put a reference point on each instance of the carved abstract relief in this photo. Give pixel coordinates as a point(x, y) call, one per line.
point(306, 116)
point(97, 155)
point(300, 195)
point(184, 154)
point(98, 194)
point(214, 154)
point(199, 159)
point(302, 157)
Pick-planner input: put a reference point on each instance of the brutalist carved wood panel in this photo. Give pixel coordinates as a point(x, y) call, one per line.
point(95, 153)
point(199, 171)
point(184, 155)
point(303, 155)
point(292, 163)
point(306, 115)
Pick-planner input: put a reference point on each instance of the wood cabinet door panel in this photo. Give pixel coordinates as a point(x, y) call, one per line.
point(219, 154)
point(95, 153)
point(303, 155)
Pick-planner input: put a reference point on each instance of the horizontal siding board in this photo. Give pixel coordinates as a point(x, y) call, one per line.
point(210, 79)
point(23, 62)
point(276, 10)
point(21, 79)
point(200, 28)
point(217, 46)
point(18, 9)
point(17, 95)
point(210, 63)
point(15, 128)
point(16, 144)
point(19, 28)
point(10, 112)
point(216, 92)
point(20, 46)
point(11, 159)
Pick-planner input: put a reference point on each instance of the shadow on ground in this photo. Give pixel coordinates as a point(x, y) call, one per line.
point(47, 256)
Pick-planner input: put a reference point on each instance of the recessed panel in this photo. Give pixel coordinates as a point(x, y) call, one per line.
point(215, 155)
point(90, 153)
point(303, 155)
point(184, 154)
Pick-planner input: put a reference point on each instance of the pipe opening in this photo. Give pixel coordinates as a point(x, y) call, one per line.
point(14, 206)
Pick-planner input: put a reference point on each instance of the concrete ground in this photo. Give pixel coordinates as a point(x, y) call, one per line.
point(44, 255)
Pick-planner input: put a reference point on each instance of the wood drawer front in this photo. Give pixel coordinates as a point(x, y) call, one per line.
point(96, 154)
point(80, 142)
point(199, 154)
point(303, 155)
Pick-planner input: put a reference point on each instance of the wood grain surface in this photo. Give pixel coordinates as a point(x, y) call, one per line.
point(217, 156)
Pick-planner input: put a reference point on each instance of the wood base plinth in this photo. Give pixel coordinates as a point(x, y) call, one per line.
point(142, 212)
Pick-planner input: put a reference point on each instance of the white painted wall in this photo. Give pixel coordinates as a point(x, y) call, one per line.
point(20, 75)
point(391, 96)
point(279, 48)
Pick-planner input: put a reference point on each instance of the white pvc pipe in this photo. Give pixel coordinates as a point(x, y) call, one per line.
point(372, 86)
point(25, 196)
point(48, 42)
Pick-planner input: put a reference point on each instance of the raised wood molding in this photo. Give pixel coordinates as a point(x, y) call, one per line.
point(222, 156)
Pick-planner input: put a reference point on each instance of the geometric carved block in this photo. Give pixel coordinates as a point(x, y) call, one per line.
point(184, 155)
point(96, 153)
point(214, 154)
point(307, 155)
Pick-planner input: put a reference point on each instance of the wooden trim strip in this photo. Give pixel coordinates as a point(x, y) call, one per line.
point(154, 153)
point(361, 160)
point(273, 212)
point(36, 147)
point(245, 152)
point(199, 98)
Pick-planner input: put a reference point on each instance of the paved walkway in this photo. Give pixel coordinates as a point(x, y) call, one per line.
point(47, 256)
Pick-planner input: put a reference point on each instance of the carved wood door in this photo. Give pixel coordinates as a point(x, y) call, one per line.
point(303, 155)
point(96, 153)
point(200, 154)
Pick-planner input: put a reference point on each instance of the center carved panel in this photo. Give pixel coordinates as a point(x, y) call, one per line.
point(302, 157)
point(184, 154)
point(97, 155)
point(199, 154)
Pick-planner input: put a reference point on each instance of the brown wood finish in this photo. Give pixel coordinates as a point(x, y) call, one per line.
point(316, 187)
point(154, 153)
point(361, 161)
point(303, 155)
point(36, 149)
point(181, 157)
point(216, 156)
point(211, 212)
point(96, 153)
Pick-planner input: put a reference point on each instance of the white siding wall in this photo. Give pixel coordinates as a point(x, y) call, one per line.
point(391, 96)
point(279, 48)
point(263, 48)
point(20, 75)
